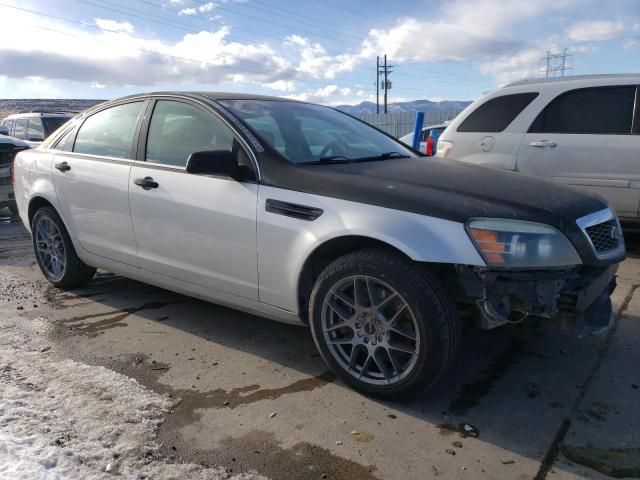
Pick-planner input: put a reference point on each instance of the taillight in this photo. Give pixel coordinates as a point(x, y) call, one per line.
point(430, 146)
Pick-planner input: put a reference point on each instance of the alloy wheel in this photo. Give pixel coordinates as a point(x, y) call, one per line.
point(50, 247)
point(370, 330)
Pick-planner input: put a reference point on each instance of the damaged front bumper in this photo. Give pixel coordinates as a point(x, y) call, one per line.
point(577, 299)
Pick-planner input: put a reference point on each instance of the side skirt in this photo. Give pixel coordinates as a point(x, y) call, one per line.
point(247, 305)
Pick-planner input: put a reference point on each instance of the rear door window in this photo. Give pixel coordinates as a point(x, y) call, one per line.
point(20, 128)
point(110, 132)
point(497, 113)
point(601, 110)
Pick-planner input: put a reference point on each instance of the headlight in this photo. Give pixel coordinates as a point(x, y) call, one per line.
point(516, 243)
point(444, 148)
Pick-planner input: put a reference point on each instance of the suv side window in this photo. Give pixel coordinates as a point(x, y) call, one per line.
point(35, 130)
point(109, 133)
point(20, 128)
point(178, 129)
point(8, 124)
point(497, 113)
point(599, 110)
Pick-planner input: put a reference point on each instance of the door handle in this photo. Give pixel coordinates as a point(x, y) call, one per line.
point(544, 144)
point(147, 183)
point(63, 166)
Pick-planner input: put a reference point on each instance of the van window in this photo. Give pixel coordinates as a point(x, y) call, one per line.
point(496, 113)
point(109, 133)
point(9, 124)
point(20, 129)
point(600, 110)
point(35, 130)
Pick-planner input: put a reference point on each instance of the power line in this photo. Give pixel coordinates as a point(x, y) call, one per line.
point(555, 62)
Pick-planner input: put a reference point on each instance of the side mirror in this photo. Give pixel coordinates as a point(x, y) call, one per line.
point(213, 162)
point(4, 130)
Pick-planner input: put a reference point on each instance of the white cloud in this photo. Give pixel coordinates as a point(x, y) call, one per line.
point(207, 7)
point(282, 85)
point(117, 58)
point(188, 11)
point(114, 26)
point(588, 31)
point(512, 67)
point(462, 30)
point(203, 8)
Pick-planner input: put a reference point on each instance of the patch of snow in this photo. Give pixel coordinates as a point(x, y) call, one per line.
point(62, 419)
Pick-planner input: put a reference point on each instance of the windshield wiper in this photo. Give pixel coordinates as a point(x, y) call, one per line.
point(382, 156)
point(329, 159)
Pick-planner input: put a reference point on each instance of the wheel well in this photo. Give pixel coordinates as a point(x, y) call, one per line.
point(35, 204)
point(323, 256)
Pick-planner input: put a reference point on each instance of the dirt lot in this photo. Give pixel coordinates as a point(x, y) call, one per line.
point(255, 396)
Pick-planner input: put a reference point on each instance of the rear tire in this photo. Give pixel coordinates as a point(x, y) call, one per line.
point(395, 315)
point(13, 208)
point(54, 251)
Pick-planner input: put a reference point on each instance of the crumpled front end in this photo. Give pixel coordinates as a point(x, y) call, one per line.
point(574, 296)
point(577, 299)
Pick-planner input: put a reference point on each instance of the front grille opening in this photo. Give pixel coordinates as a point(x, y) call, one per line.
point(604, 236)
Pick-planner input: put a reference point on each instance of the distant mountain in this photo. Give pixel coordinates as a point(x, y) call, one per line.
point(413, 106)
point(23, 105)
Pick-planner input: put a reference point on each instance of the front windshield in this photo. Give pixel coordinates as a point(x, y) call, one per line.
point(306, 133)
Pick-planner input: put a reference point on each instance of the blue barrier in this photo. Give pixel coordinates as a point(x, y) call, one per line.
point(417, 130)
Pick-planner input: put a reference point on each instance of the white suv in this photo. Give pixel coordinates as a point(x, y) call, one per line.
point(582, 131)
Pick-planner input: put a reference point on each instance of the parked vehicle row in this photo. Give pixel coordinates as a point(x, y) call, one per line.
point(9, 147)
point(429, 139)
point(581, 131)
point(33, 128)
point(303, 214)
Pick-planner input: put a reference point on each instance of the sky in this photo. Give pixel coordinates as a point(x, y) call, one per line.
point(316, 50)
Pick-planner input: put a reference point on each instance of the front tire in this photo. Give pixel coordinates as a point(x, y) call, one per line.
point(383, 324)
point(54, 251)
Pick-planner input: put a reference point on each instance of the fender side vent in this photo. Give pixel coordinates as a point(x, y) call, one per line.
point(294, 210)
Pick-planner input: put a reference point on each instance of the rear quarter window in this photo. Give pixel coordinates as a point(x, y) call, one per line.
point(597, 110)
point(497, 113)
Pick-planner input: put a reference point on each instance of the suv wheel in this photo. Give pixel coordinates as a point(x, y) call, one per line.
point(386, 326)
point(55, 253)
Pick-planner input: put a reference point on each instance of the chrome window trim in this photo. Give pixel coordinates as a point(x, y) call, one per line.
point(88, 156)
point(597, 218)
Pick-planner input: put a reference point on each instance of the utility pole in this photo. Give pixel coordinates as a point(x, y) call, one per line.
point(377, 84)
point(555, 62)
point(386, 83)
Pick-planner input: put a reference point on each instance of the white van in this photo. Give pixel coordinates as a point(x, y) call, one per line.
point(582, 131)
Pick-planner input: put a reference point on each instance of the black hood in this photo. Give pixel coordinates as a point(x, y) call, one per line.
point(446, 189)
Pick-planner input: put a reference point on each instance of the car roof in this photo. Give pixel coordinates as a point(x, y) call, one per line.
point(428, 127)
point(633, 77)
